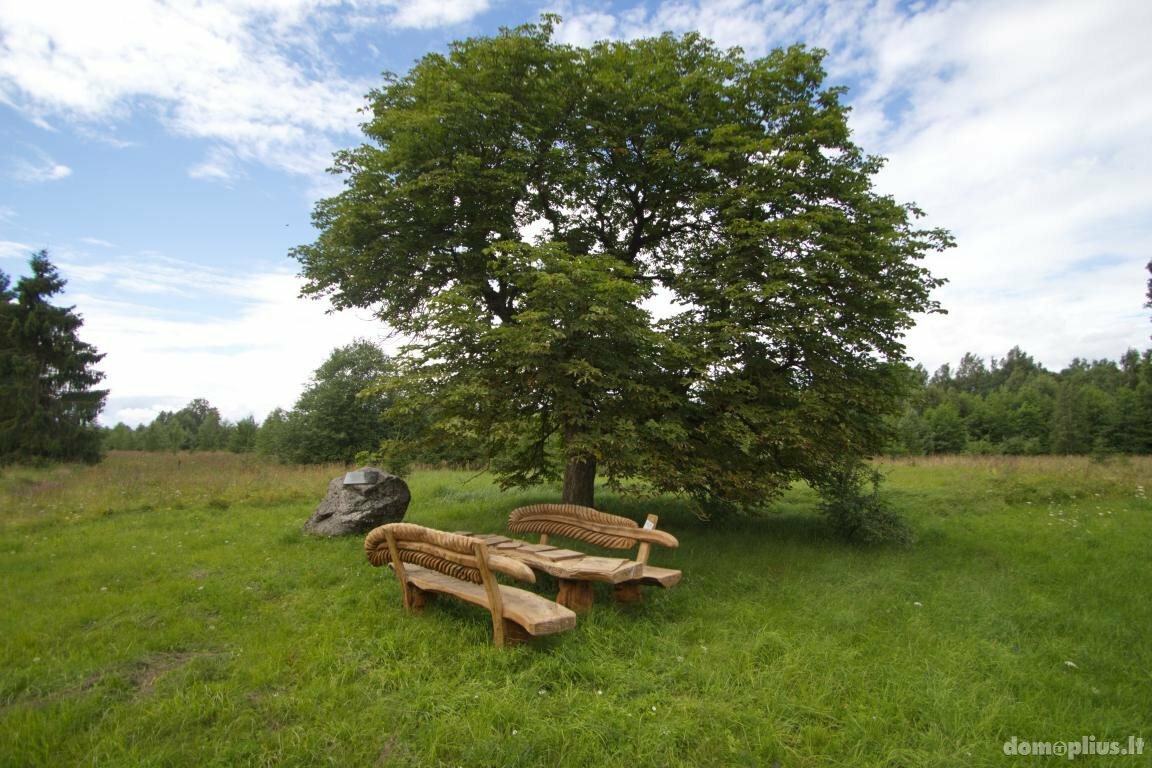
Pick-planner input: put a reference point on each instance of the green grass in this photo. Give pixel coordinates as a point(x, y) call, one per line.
point(162, 610)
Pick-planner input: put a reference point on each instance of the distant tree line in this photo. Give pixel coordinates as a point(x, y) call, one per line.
point(344, 414)
point(197, 426)
point(1014, 405)
point(351, 410)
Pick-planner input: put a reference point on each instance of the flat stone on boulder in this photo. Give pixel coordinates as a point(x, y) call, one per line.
point(359, 501)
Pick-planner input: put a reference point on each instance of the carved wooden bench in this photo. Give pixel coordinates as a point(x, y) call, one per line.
point(604, 530)
point(427, 561)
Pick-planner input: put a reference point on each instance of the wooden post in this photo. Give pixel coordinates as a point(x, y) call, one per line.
point(514, 634)
point(642, 552)
point(418, 598)
point(398, 566)
point(576, 595)
point(495, 600)
point(628, 592)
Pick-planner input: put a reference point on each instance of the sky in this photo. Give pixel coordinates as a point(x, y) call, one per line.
point(168, 155)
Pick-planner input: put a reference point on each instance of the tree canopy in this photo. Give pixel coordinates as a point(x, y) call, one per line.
point(48, 404)
point(654, 257)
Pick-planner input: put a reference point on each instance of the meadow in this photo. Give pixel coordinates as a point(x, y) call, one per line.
point(166, 610)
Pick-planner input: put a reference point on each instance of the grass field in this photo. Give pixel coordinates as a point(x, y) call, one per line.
point(162, 610)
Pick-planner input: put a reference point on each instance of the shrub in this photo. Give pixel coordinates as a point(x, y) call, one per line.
point(851, 500)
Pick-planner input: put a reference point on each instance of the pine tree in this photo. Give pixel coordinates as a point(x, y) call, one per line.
point(48, 406)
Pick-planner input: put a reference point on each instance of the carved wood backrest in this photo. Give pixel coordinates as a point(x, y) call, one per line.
point(587, 524)
point(449, 553)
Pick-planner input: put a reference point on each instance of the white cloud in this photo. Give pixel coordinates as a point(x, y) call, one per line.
point(1021, 126)
point(134, 416)
point(1024, 130)
point(10, 249)
point(749, 24)
point(251, 76)
point(422, 14)
point(246, 358)
point(172, 331)
point(38, 169)
point(219, 165)
point(586, 27)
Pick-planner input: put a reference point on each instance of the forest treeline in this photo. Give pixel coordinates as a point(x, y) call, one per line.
point(1009, 405)
point(1013, 405)
point(343, 415)
point(197, 426)
point(329, 422)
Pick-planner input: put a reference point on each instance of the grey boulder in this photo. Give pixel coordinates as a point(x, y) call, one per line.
point(359, 501)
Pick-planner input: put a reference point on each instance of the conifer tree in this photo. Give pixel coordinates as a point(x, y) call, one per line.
point(48, 404)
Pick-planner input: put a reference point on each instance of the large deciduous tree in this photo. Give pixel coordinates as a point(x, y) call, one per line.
point(655, 258)
point(48, 404)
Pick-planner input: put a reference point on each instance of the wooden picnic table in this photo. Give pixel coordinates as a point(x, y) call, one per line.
point(574, 570)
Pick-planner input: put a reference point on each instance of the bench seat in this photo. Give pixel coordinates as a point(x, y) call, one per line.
point(537, 615)
point(659, 577)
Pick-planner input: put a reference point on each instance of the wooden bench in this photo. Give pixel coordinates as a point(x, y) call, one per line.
point(427, 561)
point(604, 530)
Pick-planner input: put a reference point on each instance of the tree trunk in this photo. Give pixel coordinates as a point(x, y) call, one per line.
point(580, 482)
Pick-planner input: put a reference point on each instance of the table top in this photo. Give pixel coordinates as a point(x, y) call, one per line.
point(562, 563)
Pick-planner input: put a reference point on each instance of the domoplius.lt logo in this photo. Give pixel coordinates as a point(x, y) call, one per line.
point(1085, 746)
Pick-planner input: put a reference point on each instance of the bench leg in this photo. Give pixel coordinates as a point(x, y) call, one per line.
point(514, 634)
point(628, 592)
point(417, 598)
point(576, 595)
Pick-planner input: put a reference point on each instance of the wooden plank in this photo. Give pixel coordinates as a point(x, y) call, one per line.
point(537, 547)
point(609, 569)
point(606, 564)
point(537, 615)
point(492, 539)
point(559, 554)
point(660, 577)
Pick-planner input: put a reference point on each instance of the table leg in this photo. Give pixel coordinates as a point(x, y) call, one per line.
point(628, 592)
point(576, 595)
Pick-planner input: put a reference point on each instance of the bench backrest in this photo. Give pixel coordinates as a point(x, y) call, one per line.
point(590, 525)
point(459, 556)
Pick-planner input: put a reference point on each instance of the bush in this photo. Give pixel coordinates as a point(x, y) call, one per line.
point(858, 513)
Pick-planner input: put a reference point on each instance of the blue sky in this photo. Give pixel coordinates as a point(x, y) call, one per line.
point(168, 155)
